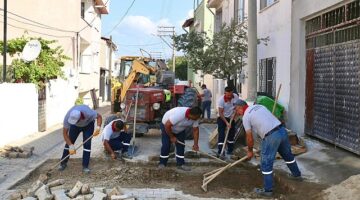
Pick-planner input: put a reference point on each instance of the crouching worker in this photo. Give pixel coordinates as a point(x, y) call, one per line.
point(116, 139)
point(173, 126)
point(259, 119)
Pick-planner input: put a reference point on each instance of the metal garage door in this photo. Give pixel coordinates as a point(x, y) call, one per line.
point(333, 78)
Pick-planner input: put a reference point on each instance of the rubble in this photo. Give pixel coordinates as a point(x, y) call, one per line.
point(15, 196)
point(99, 195)
point(35, 186)
point(85, 189)
point(16, 152)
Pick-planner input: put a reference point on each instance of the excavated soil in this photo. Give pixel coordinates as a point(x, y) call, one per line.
point(237, 182)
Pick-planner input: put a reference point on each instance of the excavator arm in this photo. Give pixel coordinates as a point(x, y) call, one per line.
point(138, 67)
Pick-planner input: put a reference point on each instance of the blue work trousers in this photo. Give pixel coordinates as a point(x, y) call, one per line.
point(221, 136)
point(206, 106)
point(165, 148)
point(74, 132)
point(277, 141)
point(122, 142)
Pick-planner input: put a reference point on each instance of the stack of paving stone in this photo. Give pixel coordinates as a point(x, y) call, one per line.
point(41, 190)
point(17, 152)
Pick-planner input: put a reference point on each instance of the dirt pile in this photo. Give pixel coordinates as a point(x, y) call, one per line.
point(348, 189)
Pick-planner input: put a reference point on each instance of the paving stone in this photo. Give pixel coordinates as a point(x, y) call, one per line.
point(29, 198)
point(13, 154)
point(43, 178)
point(99, 196)
point(35, 186)
point(119, 197)
point(43, 193)
point(99, 189)
point(76, 189)
point(15, 196)
point(60, 194)
point(25, 154)
point(56, 183)
point(85, 189)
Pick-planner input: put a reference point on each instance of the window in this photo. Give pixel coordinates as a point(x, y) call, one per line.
point(86, 63)
point(82, 10)
point(266, 3)
point(218, 21)
point(239, 10)
point(267, 76)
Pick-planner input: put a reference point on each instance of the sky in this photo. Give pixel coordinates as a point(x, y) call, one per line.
point(138, 29)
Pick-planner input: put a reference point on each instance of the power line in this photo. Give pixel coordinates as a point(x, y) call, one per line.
point(57, 36)
point(50, 27)
point(122, 18)
point(129, 45)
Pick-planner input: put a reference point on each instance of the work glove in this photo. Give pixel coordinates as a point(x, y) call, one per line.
point(72, 150)
point(97, 131)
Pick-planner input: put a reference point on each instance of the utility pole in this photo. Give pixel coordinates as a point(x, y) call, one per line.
point(251, 80)
point(168, 31)
point(110, 69)
point(5, 41)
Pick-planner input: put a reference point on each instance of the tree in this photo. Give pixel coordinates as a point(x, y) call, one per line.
point(223, 56)
point(181, 66)
point(47, 66)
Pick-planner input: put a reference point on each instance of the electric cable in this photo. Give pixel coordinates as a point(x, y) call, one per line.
point(122, 18)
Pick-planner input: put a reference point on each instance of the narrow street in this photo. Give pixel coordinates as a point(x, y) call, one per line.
point(182, 99)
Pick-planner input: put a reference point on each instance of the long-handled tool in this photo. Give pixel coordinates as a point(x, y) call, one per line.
point(78, 147)
point(226, 136)
point(208, 177)
point(134, 126)
point(216, 158)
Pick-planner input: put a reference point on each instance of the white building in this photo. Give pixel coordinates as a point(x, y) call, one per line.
point(314, 53)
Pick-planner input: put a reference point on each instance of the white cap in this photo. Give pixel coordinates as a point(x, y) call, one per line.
point(74, 117)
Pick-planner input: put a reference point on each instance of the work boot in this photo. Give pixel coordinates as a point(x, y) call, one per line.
point(262, 192)
point(184, 168)
point(295, 178)
point(86, 170)
point(62, 167)
point(161, 166)
point(126, 155)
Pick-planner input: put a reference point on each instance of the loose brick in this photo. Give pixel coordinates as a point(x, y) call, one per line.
point(29, 198)
point(24, 154)
point(99, 196)
point(35, 186)
point(15, 196)
point(60, 195)
point(56, 183)
point(85, 189)
point(43, 178)
point(13, 154)
point(114, 192)
point(44, 193)
point(76, 189)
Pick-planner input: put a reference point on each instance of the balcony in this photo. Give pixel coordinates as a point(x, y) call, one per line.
point(102, 7)
point(214, 3)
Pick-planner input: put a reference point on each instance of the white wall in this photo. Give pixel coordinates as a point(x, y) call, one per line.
point(278, 29)
point(60, 97)
point(302, 10)
point(19, 111)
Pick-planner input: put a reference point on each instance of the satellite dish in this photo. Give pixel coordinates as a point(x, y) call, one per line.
point(31, 50)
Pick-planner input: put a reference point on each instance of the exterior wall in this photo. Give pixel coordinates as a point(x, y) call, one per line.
point(278, 29)
point(19, 111)
point(228, 11)
point(60, 97)
point(301, 11)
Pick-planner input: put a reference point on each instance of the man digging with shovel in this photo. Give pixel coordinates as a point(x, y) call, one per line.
point(79, 119)
point(259, 119)
point(173, 126)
